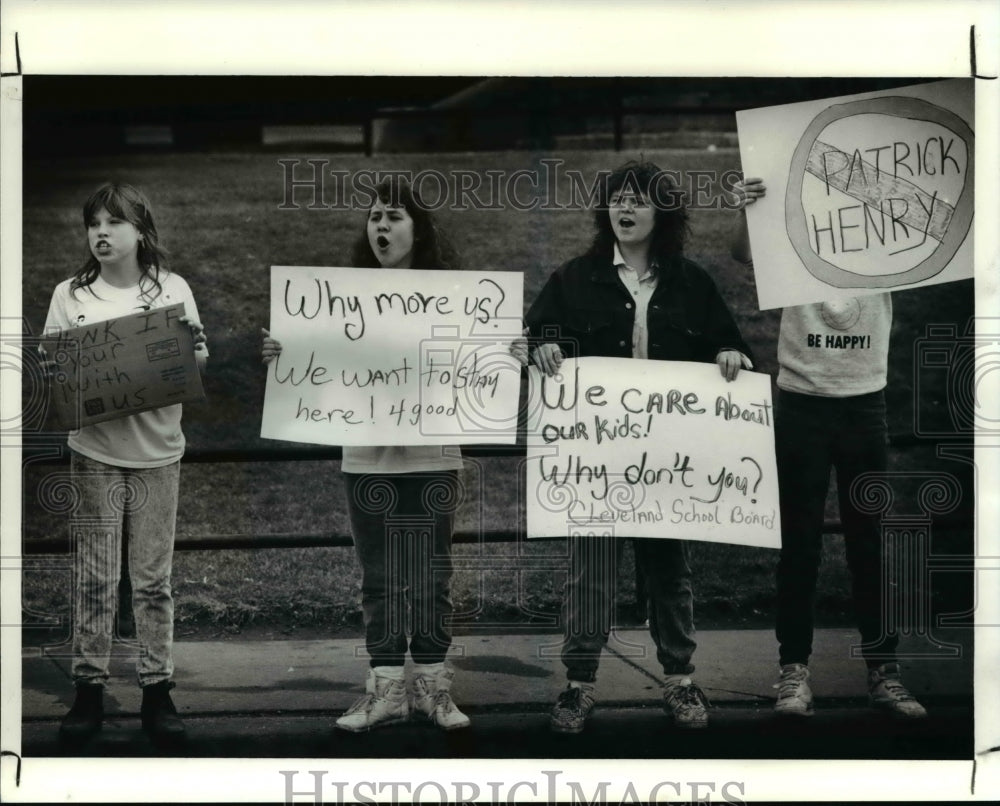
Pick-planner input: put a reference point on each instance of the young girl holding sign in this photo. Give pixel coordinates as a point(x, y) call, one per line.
point(402, 502)
point(633, 295)
point(125, 471)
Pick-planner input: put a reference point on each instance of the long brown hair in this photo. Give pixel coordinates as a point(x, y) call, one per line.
point(129, 203)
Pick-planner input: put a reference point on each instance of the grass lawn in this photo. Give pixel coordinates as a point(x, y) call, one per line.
point(218, 216)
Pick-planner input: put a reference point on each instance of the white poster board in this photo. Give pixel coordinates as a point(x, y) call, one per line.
point(865, 193)
point(393, 356)
point(664, 449)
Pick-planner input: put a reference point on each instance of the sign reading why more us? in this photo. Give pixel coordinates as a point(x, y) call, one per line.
point(865, 193)
point(663, 449)
point(122, 366)
point(393, 356)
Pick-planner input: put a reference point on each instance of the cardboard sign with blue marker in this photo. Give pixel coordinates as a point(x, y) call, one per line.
point(111, 369)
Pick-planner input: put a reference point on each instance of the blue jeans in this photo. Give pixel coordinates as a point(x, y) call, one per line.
point(589, 601)
point(140, 504)
point(402, 526)
point(812, 435)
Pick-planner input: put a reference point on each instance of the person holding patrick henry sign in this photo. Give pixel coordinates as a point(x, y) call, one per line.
point(830, 412)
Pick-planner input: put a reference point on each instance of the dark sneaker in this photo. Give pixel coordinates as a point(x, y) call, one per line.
point(159, 716)
point(794, 695)
point(84, 718)
point(686, 704)
point(887, 693)
point(572, 708)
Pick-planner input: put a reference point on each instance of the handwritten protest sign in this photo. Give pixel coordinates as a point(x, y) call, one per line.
point(865, 193)
point(662, 449)
point(393, 356)
point(122, 366)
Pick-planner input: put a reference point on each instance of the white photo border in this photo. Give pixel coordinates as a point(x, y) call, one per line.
point(753, 38)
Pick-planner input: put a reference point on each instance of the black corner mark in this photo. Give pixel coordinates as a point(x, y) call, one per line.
point(17, 772)
point(972, 55)
point(17, 58)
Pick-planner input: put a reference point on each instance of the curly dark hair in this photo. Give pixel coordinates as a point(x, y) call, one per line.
point(670, 222)
point(129, 203)
point(431, 247)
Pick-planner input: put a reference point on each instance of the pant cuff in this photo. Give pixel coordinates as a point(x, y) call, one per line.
point(687, 669)
point(152, 680)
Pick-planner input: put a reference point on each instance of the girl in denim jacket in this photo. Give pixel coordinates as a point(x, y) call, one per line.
point(633, 295)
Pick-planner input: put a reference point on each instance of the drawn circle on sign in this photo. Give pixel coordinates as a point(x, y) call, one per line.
point(795, 214)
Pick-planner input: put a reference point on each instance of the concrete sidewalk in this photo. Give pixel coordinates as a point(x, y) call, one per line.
point(494, 673)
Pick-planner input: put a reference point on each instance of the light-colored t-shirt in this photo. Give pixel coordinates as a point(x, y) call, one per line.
point(835, 349)
point(400, 458)
point(147, 439)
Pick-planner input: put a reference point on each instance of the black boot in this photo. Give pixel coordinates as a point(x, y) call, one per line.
point(84, 718)
point(159, 716)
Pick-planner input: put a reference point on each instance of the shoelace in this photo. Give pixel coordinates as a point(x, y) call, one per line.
point(789, 683)
point(365, 703)
point(691, 697)
point(443, 701)
point(570, 698)
point(896, 689)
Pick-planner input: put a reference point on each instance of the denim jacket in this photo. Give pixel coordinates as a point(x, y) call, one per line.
point(586, 309)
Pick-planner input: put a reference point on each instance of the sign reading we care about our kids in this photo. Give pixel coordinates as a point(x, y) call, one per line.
point(662, 449)
point(393, 356)
point(865, 193)
point(122, 366)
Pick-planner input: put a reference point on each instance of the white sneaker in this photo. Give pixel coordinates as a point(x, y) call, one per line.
point(887, 692)
point(794, 695)
point(384, 703)
point(432, 698)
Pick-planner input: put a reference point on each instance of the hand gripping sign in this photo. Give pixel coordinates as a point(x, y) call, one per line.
point(865, 193)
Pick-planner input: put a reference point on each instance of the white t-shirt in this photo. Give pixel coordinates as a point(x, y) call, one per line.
point(835, 349)
point(147, 439)
point(400, 458)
